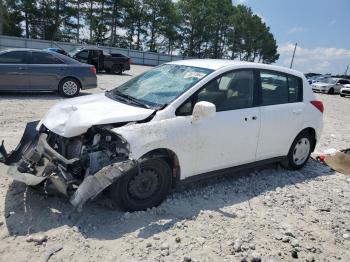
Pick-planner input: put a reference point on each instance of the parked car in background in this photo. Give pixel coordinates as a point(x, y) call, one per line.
point(57, 50)
point(329, 85)
point(103, 61)
point(177, 121)
point(345, 91)
point(38, 70)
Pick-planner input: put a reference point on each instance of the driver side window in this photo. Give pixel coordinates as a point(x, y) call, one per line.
point(230, 91)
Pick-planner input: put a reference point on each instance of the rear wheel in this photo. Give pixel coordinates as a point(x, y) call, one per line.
point(299, 152)
point(331, 91)
point(117, 69)
point(69, 87)
point(143, 187)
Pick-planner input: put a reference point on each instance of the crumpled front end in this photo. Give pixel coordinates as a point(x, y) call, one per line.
point(79, 167)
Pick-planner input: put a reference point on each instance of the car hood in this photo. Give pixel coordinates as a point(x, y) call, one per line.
point(322, 84)
point(75, 116)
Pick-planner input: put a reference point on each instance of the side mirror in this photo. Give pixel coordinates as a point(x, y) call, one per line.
point(203, 110)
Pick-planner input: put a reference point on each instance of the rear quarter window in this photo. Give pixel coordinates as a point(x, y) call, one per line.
point(279, 88)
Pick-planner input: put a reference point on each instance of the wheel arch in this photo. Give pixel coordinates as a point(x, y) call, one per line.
point(312, 132)
point(171, 158)
point(74, 77)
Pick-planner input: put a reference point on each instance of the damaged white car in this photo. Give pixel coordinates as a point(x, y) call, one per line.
point(177, 121)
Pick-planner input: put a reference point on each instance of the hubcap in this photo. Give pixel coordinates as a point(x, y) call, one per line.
point(145, 184)
point(301, 151)
point(70, 88)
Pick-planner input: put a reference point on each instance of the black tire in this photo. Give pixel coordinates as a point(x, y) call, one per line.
point(331, 91)
point(292, 162)
point(117, 69)
point(342, 95)
point(134, 191)
point(69, 87)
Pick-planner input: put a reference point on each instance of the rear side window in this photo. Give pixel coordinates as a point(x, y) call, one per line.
point(14, 57)
point(83, 54)
point(274, 88)
point(280, 89)
point(295, 87)
point(44, 58)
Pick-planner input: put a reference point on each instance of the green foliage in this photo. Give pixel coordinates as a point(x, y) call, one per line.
point(195, 28)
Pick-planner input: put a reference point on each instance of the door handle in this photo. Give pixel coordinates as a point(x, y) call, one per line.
point(21, 68)
point(297, 111)
point(254, 118)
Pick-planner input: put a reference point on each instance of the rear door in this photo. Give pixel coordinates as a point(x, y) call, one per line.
point(282, 112)
point(14, 71)
point(45, 71)
point(83, 56)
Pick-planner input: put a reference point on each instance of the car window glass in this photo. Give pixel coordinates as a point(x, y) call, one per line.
point(235, 91)
point(274, 88)
point(15, 57)
point(295, 89)
point(44, 58)
point(83, 54)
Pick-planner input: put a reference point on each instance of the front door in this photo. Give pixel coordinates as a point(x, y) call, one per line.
point(230, 137)
point(14, 71)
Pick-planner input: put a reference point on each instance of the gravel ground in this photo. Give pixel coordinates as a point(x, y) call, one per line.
point(267, 214)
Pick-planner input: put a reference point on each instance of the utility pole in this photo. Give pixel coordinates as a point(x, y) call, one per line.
point(295, 48)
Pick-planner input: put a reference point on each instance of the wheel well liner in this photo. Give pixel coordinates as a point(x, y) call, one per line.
point(312, 132)
point(171, 159)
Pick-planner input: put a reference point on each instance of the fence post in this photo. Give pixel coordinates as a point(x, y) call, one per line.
point(143, 58)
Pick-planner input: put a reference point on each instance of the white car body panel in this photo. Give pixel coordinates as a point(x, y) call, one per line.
point(75, 116)
point(279, 124)
point(345, 90)
point(221, 141)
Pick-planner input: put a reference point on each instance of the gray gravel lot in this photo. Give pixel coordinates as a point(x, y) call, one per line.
point(267, 214)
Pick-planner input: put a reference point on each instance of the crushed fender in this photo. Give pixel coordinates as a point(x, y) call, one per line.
point(95, 184)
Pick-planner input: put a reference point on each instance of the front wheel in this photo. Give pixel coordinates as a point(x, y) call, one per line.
point(331, 91)
point(299, 153)
point(144, 187)
point(342, 95)
point(69, 87)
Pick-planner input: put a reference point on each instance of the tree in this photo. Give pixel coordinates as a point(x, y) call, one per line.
point(249, 38)
point(11, 18)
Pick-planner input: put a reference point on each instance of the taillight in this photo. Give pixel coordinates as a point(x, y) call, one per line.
point(93, 70)
point(129, 61)
point(318, 104)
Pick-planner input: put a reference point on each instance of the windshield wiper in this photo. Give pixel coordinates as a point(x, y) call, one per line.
point(131, 99)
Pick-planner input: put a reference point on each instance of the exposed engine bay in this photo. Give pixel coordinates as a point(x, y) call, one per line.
point(79, 167)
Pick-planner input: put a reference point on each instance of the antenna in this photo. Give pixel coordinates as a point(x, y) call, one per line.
point(295, 48)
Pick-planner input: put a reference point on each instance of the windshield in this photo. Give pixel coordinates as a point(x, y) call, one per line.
point(327, 80)
point(161, 85)
point(74, 52)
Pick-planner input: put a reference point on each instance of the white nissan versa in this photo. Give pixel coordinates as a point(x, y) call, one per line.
point(174, 122)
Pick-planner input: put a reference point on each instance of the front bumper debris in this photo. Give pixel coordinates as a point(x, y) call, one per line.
point(36, 159)
point(95, 184)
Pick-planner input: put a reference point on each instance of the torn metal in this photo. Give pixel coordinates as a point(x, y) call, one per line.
point(79, 167)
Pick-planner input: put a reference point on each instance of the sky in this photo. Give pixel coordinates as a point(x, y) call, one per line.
point(320, 27)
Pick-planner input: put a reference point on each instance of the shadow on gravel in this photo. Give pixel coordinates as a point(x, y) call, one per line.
point(28, 212)
point(36, 95)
